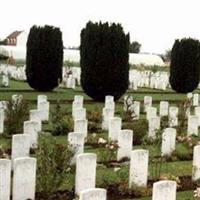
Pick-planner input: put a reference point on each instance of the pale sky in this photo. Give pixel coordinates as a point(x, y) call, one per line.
point(153, 23)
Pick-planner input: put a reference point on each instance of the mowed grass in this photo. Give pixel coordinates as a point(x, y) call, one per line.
point(20, 87)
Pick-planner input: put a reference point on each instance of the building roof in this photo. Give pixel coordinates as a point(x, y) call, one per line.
point(14, 35)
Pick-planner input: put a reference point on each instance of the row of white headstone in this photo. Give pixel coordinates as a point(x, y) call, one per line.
point(148, 79)
point(23, 166)
point(138, 175)
point(164, 110)
point(24, 176)
point(23, 181)
point(36, 116)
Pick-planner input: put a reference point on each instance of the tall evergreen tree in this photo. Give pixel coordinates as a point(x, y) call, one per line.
point(104, 60)
point(44, 57)
point(185, 65)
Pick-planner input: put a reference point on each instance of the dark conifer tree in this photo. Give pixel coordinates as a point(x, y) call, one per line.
point(185, 65)
point(44, 58)
point(104, 60)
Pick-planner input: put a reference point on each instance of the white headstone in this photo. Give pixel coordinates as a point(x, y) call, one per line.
point(195, 99)
point(85, 172)
point(108, 113)
point(196, 163)
point(192, 128)
point(78, 98)
point(16, 98)
point(115, 125)
point(77, 103)
point(173, 116)
point(5, 81)
point(197, 113)
point(35, 115)
point(5, 179)
point(147, 102)
point(76, 140)
point(20, 146)
point(79, 113)
point(136, 109)
point(41, 98)
point(24, 178)
point(125, 143)
point(93, 194)
point(1, 121)
point(151, 112)
point(109, 102)
point(164, 190)
point(31, 129)
point(154, 126)
point(81, 126)
point(3, 105)
point(44, 109)
point(164, 108)
point(168, 141)
point(138, 173)
point(109, 98)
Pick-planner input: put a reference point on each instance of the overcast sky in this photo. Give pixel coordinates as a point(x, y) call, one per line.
point(153, 23)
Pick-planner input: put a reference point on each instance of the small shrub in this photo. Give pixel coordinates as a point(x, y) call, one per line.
point(94, 116)
point(109, 152)
point(16, 113)
point(183, 152)
point(172, 178)
point(164, 122)
point(94, 121)
point(61, 123)
point(53, 165)
point(63, 127)
point(140, 128)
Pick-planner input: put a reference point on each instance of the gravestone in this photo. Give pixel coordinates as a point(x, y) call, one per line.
point(81, 126)
point(192, 128)
point(41, 98)
point(164, 108)
point(35, 115)
point(44, 109)
point(31, 129)
point(147, 102)
point(79, 114)
point(195, 99)
point(76, 141)
point(1, 121)
point(173, 116)
point(151, 112)
point(115, 125)
point(164, 190)
point(168, 142)
point(93, 194)
point(85, 172)
point(24, 178)
point(136, 109)
point(108, 113)
point(5, 179)
point(138, 173)
point(20, 146)
point(125, 143)
point(154, 126)
point(196, 163)
point(197, 113)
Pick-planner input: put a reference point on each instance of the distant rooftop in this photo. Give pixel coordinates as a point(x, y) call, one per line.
point(14, 35)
